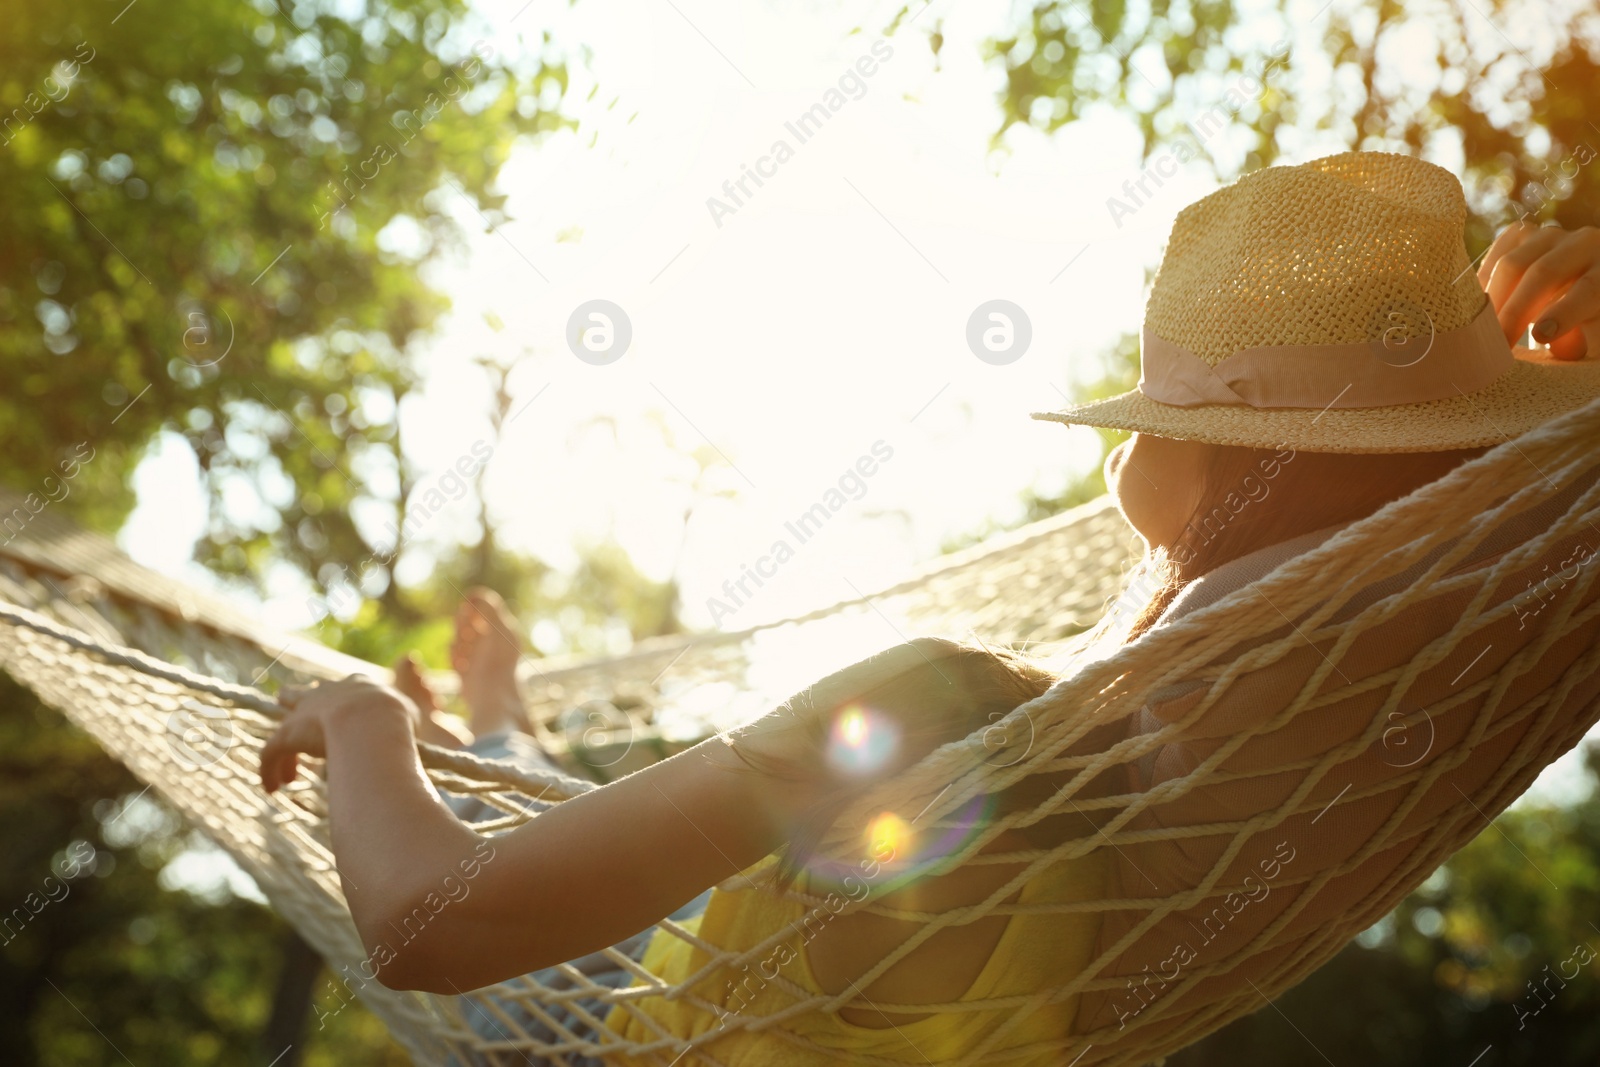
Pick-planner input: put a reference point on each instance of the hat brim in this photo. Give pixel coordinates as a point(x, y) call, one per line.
point(1538, 388)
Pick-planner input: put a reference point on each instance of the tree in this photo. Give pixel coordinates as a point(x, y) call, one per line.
point(95, 924)
point(1208, 81)
point(215, 218)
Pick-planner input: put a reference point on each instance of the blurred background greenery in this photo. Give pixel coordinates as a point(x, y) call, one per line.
point(214, 141)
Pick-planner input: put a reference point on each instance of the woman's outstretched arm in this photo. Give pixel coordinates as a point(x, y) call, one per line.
point(443, 909)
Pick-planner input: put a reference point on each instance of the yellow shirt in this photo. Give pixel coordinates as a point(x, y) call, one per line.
point(1037, 951)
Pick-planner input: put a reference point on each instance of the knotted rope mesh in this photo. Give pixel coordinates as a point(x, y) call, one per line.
point(100, 638)
point(1244, 769)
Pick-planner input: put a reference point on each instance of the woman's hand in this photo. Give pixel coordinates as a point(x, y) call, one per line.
point(1549, 277)
point(311, 708)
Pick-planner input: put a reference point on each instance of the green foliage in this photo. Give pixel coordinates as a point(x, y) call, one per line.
point(215, 221)
point(115, 963)
point(607, 589)
point(1516, 111)
point(603, 605)
point(215, 216)
point(1062, 60)
point(1498, 949)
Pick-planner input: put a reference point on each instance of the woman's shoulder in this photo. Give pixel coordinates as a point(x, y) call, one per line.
point(1236, 574)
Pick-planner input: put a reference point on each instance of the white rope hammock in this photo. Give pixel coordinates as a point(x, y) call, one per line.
point(1259, 734)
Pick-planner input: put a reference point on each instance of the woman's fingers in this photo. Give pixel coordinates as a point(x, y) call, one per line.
point(1548, 278)
point(1509, 238)
point(280, 760)
point(291, 696)
point(300, 733)
point(278, 769)
point(301, 730)
point(1551, 274)
point(1580, 343)
point(1570, 321)
point(1519, 276)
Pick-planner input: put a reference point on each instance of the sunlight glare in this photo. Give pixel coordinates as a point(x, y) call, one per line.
point(888, 836)
point(861, 740)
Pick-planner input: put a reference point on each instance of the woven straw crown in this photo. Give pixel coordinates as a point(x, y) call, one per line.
point(1331, 306)
point(1256, 267)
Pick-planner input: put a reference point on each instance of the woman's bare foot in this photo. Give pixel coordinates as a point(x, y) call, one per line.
point(433, 725)
point(485, 655)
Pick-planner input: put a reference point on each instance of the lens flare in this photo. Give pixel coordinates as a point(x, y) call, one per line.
point(853, 727)
point(898, 853)
point(888, 835)
point(861, 740)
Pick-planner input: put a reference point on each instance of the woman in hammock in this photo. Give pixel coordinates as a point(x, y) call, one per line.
point(613, 861)
point(484, 655)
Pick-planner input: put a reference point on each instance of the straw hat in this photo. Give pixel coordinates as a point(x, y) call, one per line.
point(1331, 307)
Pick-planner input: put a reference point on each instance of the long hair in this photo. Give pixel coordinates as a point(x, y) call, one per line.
point(1253, 498)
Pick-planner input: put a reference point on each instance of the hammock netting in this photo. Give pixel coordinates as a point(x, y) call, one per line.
point(1266, 776)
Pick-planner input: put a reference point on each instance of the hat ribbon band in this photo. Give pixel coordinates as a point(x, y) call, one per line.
point(1383, 372)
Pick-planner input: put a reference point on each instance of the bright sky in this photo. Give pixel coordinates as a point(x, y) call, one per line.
point(826, 314)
